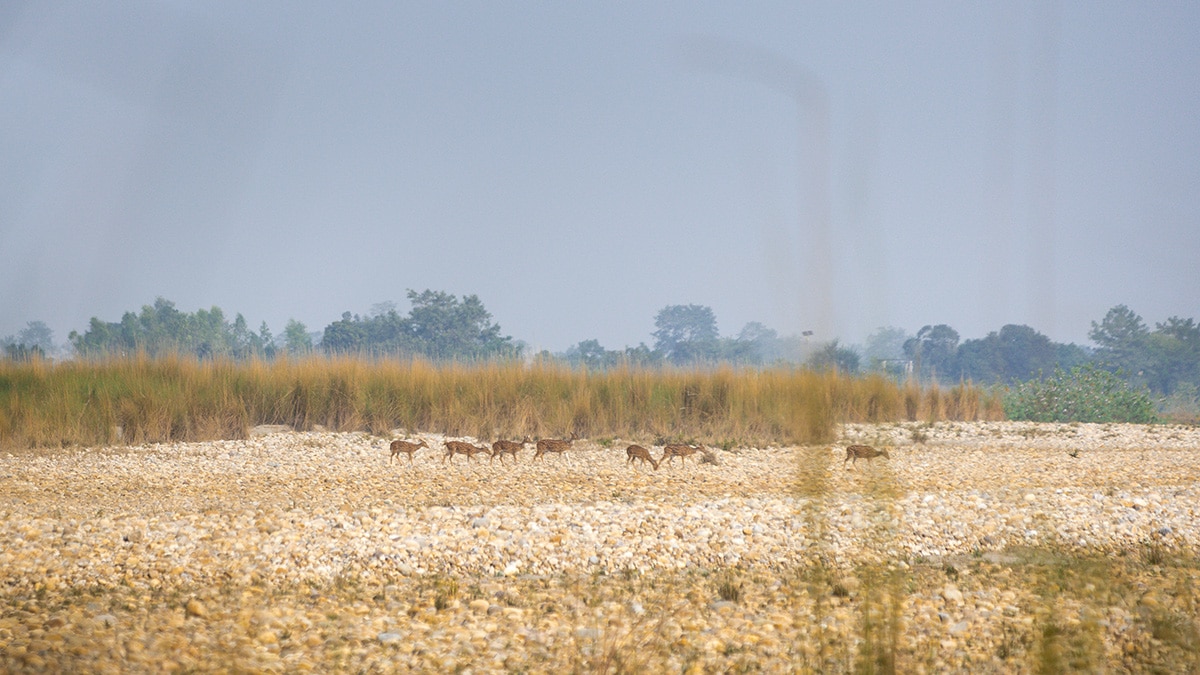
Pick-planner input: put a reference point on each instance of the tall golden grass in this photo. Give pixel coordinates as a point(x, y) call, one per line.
point(142, 400)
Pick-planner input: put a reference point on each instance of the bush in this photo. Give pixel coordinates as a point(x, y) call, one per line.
point(1183, 405)
point(1084, 394)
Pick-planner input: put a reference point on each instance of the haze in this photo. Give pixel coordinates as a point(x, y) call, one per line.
point(824, 166)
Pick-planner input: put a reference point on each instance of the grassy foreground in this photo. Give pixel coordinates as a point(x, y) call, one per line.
point(141, 400)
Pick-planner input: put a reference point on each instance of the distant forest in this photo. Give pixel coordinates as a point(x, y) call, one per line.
point(439, 326)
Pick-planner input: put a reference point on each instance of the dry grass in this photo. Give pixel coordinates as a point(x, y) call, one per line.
point(139, 400)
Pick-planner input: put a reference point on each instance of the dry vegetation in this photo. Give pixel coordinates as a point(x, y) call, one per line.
point(141, 400)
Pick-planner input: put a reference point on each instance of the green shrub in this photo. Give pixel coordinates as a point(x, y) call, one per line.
point(1084, 394)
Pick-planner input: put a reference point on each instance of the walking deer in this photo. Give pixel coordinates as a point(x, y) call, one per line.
point(460, 448)
point(866, 452)
point(554, 445)
point(501, 448)
point(407, 448)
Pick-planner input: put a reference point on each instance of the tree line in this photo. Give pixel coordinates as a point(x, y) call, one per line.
point(1165, 360)
point(439, 326)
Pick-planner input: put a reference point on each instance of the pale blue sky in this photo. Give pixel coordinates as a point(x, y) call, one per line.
point(579, 166)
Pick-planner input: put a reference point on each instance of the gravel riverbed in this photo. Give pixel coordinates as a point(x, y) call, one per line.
point(974, 547)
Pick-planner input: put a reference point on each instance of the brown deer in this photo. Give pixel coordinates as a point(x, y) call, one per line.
point(853, 452)
point(638, 452)
point(500, 448)
point(672, 451)
point(407, 448)
point(460, 448)
point(554, 445)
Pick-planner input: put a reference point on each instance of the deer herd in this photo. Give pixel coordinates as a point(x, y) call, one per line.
point(558, 446)
point(541, 448)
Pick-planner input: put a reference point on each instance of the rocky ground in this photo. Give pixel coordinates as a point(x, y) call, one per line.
point(980, 547)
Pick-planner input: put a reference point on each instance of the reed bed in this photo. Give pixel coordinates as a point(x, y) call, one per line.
point(146, 400)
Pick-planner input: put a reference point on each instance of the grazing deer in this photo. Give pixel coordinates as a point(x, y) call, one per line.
point(407, 448)
point(460, 448)
point(500, 448)
point(638, 452)
point(853, 452)
point(554, 445)
point(670, 452)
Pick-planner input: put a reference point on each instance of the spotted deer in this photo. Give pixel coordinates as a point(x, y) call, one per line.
point(866, 452)
point(406, 447)
point(460, 448)
point(672, 451)
point(554, 445)
point(501, 448)
point(638, 452)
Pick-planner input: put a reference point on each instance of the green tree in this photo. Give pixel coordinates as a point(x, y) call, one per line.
point(755, 344)
point(266, 341)
point(438, 326)
point(980, 360)
point(642, 356)
point(445, 328)
point(933, 351)
point(19, 351)
point(162, 329)
point(242, 342)
point(1014, 354)
point(885, 350)
point(36, 340)
point(1121, 338)
point(834, 357)
point(131, 336)
point(38, 335)
point(591, 355)
point(1172, 355)
point(209, 334)
point(99, 338)
point(886, 343)
point(1071, 355)
point(346, 336)
point(389, 333)
point(296, 339)
point(686, 334)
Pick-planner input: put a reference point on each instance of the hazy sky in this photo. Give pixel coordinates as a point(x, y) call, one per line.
point(828, 166)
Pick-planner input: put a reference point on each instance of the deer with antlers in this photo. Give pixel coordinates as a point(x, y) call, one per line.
point(554, 445)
